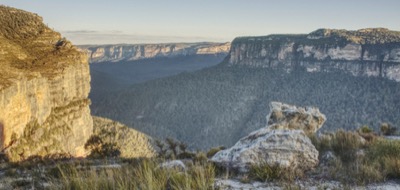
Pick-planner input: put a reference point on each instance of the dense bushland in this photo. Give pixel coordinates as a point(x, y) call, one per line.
point(218, 105)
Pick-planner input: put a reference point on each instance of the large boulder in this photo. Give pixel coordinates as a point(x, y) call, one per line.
point(283, 142)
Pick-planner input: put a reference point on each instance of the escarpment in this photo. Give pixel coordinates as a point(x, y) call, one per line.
point(44, 87)
point(365, 52)
point(126, 52)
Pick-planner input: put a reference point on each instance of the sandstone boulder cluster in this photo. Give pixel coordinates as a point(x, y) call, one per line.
point(284, 142)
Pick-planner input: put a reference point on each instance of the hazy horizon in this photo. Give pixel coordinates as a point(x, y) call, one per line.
point(178, 21)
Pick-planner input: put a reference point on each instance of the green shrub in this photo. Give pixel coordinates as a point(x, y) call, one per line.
point(365, 129)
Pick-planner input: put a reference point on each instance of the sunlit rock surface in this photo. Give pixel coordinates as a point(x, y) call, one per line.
point(44, 87)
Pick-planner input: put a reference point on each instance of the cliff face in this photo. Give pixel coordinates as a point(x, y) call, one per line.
point(366, 52)
point(44, 87)
point(113, 53)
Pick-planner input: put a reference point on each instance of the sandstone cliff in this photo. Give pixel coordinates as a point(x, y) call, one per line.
point(365, 52)
point(44, 87)
point(113, 53)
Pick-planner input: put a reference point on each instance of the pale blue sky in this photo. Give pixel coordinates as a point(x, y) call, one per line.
point(161, 21)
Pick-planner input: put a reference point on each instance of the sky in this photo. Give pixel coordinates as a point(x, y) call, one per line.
point(163, 21)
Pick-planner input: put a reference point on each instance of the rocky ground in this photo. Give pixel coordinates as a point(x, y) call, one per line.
point(234, 184)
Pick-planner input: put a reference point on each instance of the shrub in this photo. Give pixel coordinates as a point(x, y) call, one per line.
point(322, 143)
point(365, 129)
point(162, 150)
point(214, 151)
point(346, 144)
point(387, 129)
point(173, 149)
point(99, 149)
point(200, 157)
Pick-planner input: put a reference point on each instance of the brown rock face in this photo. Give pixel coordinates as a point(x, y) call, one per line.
point(44, 87)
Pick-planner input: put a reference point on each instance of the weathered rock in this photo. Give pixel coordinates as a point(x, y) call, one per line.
point(113, 53)
point(284, 116)
point(174, 164)
point(44, 105)
point(287, 147)
point(130, 143)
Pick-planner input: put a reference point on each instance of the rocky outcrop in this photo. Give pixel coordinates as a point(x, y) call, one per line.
point(44, 87)
point(283, 143)
point(366, 52)
point(284, 116)
point(114, 53)
point(130, 143)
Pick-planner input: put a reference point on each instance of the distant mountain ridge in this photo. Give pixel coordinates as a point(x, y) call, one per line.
point(133, 52)
point(344, 73)
point(365, 52)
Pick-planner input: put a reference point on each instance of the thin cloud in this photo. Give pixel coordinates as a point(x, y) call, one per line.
point(79, 32)
point(81, 37)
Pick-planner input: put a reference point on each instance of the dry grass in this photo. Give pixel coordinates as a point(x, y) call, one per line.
point(265, 172)
point(145, 174)
point(360, 161)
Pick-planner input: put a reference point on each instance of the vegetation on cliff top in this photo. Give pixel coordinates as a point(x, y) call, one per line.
point(30, 47)
point(331, 37)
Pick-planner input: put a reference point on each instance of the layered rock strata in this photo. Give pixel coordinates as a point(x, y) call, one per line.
point(365, 52)
point(125, 52)
point(44, 87)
